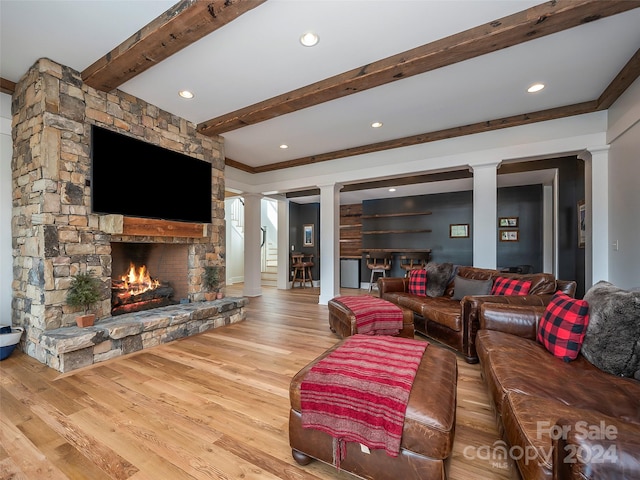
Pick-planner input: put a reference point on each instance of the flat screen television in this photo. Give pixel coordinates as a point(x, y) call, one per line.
point(137, 179)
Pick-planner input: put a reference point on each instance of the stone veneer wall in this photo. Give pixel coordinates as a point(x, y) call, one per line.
point(54, 233)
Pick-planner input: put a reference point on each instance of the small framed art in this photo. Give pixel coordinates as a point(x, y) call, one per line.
point(307, 235)
point(508, 222)
point(459, 230)
point(582, 228)
point(509, 236)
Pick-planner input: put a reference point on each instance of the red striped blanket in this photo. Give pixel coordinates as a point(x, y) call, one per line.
point(359, 392)
point(374, 316)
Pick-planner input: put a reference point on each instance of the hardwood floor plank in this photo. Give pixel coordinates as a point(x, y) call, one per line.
point(210, 406)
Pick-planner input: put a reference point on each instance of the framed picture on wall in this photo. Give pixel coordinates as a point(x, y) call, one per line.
point(582, 229)
point(508, 222)
point(509, 236)
point(459, 230)
point(307, 235)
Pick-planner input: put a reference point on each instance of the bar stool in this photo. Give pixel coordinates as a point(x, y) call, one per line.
point(378, 262)
point(301, 265)
point(413, 261)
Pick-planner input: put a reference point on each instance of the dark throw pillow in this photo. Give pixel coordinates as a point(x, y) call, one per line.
point(612, 341)
point(418, 282)
point(510, 286)
point(467, 286)
point(563, 326)
point(438, 275)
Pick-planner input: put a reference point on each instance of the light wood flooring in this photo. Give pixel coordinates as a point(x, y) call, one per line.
point(212, 406)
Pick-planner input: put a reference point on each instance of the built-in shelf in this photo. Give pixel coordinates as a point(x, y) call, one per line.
point(381, 232)
point(355, 225)
point(404, 214)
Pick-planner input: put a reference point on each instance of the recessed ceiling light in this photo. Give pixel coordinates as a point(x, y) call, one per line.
point(284, 145)
point(376, 124)
point(536, 87)
point(185, 94)
point(309, 39)
point(392, 189)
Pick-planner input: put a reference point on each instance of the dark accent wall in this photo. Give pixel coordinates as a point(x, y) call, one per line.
point(455, 208)
point(299, 215)
point(526, 203)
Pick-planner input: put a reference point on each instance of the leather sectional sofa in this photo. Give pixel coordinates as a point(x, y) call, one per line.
point(560, 420)
point(455, 322)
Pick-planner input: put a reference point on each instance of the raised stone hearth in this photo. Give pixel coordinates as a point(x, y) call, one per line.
point(70, 348)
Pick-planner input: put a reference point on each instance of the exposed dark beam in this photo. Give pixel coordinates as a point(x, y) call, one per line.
point(480, 127)
point(7, 86)
point(623, 80)
point(177, 28)
point(531, 24)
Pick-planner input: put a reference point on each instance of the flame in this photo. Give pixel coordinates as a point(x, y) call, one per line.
point(138, 282)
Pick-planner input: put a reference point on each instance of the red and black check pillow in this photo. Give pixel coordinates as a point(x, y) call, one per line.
point(510, 286)
point(418, 282)
point(563, 326)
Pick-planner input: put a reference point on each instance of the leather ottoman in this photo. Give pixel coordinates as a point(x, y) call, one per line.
point(427, 435)
point(342, 320)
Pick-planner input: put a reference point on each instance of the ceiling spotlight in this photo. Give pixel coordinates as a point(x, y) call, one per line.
point(392, 189)
point(376, 124)
point(536, 87)
point(284, 146)
point(185, 94)
point(309, 39)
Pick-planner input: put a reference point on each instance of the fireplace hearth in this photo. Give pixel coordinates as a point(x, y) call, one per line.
point(147, 275)
point(137, 291)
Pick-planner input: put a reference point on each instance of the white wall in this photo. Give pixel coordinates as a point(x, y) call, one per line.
point(624, 189)
point(6, 255)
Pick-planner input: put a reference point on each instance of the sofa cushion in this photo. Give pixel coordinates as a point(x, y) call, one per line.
point(563, 325)
point(442, 310)
point(612, 340)
point(438, 276)
point(418, 282)
point(510, 286)
point(466, 286)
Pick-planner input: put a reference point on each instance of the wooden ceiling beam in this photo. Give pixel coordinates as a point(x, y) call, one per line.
point(480, 127)
point(7, 86)
point(623, 80)
point(545, 19)
point(183, 24)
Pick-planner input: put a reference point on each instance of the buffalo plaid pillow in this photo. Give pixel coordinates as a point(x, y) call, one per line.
point(510, 286)
point(563, 326)
point(418, 282)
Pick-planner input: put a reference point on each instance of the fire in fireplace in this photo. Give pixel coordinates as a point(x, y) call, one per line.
point(136, 290)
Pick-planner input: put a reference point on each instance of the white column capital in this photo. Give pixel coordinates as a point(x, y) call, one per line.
point(588, 154)
point(484, 164)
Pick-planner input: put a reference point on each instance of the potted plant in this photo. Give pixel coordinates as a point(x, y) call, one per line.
point(211, 281)
point(84, 292)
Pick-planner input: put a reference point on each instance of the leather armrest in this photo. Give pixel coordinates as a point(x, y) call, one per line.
point(392, 284)
point(520, 320)
point(610, 449)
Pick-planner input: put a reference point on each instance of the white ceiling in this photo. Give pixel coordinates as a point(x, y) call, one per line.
point(258, 56)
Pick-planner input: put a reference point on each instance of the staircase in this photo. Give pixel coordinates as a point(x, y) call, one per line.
point(269, 274)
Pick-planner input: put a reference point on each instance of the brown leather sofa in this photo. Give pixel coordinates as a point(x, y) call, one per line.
point(455, 322)
point(559, 420)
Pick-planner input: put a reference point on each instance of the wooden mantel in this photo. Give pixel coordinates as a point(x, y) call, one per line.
point(162, 228)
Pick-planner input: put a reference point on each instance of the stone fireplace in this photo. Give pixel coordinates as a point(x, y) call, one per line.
point(56, 235)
